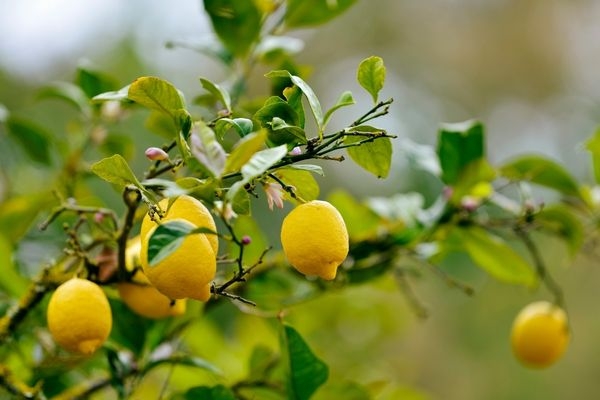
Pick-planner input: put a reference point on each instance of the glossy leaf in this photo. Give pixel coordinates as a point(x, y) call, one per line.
point(344, 100)
point(156, 94)
point(306, 372)
point(293, 96)
point(167, 237)
point(304, 183)
point(115, 170)
point(310, 95)
point(495, 256)
point(542, 171)
point(275, 107)
point(282, 129)
point(302, 13)
point(115, 95)
point(244, 150)
point(374, 155)
point(93, 82)
point(243, 126)
point(371, 76)
point(33, 139)
point(203, 189)
point(218, 392)
point(315, 169)
point(236, 23)
point(207, 150)
point(458, 145)
point(560, 220)
point(218, 92)
point(69, 92)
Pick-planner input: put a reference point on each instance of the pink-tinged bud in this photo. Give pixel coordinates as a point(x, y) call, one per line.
point(246, 240)
point(156, 154)
point(447, 192)
point(296, 151)
point(98, 217)
point(469, 203)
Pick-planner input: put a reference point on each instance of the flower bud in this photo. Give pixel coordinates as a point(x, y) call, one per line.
point(156, 154)
point(246, 240)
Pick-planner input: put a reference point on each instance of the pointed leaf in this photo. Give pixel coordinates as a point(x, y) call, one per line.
point(218, 392)
point(243, 126)
point(344, 100)
point(156, 94)
point(374, 154)
point(494, 255)
point(560, 220)
point(207, 150)
point(68, 92)
point(458, 145)
point(304, 183)
point(118, 95)
point(302, 13)
point(371, 76)
point(218, 92)
point(244, 150)
point(542, 171)
point(237, 23)
point(161, 124)
point(306, 371)
point(315, 169)
point(33, 139)
point(115, 170)
point(165, 239)
point(93, 82)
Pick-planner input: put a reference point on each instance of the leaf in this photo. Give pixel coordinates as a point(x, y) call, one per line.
point(593, 146)
point(218, 392)
point(277, 109)
point(33, 139)
point(362, 222)
point(165, 239)
point(161, 124)
point(304, 183)
point(219, 93)
point(374, 154)
point(156, 94)
point(541, 171)
point(115, 170)
point(344, 100)
point(371, 76)
point(207, 150)
point(310, 95)
point(458, 145)
point(243, 126)
point(494, 255)
point(93, 82)
point(69, 92)
point(203, 189)
point(560, 220)
point(421, 156)
point(182, 359)
point(167, 187)
point(11, 282)
point(244, 150)
point(315, 169)
point(119, 95)
point(306, 372)
point(345, 391)
point(303, 13)
point(236, 23)
point(279, 126)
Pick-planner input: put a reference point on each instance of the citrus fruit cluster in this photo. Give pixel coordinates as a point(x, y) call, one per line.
point(540, 334)
point(315, 239)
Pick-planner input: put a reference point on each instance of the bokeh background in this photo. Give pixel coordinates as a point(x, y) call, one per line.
point(527, 68)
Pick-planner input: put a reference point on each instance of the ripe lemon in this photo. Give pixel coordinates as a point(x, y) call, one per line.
point(540, 334)
point(139, 295)
point(315, 239)
point(188, 208)
point(186, 272)
point(79, 316)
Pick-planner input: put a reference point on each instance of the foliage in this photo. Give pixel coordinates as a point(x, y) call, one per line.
point(242, 154)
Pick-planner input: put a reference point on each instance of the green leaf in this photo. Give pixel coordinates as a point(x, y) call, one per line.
point(119, 95)
point(458, 145)
point(115, 170)
point(344, 100)
point(236, 23)
point(203, 189)
point(494, 255)
point(207, 150)
point(280, 128)
point(593, 146)
point(542, 171)
point(362, 222)
point(303, 13)
point(421, 156)
point(69, 92)
point(304, 183)
point(243, 126)
point(218, 392)
point(161, 124)
point(306, 372)
point(374, 154)
point(244, 150)
point(93, 82)
point(185, 360)
point(156, 94)
point(257, 165)
point(218, 93)
point(11, 282)
point(560, 220)
point(33, 139)
point(345, 391)
point(277, 109)
point(166, 238)
point(315, 169)
point(310, 95)
point(371, 76)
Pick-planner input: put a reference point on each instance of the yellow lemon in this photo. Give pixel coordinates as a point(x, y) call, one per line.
point(540, 334)
point(188, 208)
point(139, 295)
point(185, 273)
point(315, 239)
point(79, 316)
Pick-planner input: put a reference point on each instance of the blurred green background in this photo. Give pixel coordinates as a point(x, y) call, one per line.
point(527, 68)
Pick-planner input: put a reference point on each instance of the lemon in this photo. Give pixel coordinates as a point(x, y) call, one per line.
point(315, 239)
point(139, 295)
point(185, 273)
point(79, 316)
point(540, 334)
point(188, 208)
